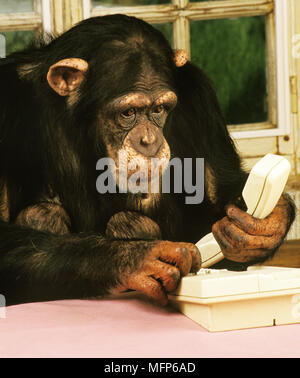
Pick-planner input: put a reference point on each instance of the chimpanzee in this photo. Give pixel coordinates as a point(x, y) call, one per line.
point(109, 84)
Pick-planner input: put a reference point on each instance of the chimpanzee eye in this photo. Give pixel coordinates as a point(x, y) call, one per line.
point(129, 113)
point(159, 109)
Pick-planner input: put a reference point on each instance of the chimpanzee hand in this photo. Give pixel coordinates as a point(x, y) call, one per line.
point(162, 263)
point(162, 266)
point(244, 238)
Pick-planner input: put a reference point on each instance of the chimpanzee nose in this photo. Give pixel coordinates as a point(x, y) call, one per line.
point(150, 142)
point(146, 140)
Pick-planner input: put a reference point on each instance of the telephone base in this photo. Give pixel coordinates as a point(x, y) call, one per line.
point(223, 300)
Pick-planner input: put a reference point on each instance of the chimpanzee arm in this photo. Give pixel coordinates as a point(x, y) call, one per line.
point(129, 225)
point(37, 265)
point(46, 216)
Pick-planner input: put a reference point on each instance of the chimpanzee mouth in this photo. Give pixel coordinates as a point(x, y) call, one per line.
point(161, 176)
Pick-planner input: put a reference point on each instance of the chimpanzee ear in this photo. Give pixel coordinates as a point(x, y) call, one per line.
point(180, 57)
point(66, 75)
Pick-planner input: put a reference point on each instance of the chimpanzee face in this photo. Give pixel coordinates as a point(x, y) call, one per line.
point(132, 130)
point(130, 125)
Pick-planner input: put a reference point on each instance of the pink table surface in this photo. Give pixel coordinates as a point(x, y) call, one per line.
point(127, 327)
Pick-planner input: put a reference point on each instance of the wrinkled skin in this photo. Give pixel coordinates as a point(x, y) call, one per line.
point(246, 239)
point(165, 262)
point(242, 239)
point(161, 271)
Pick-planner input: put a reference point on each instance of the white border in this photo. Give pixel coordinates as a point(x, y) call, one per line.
point(283, 79)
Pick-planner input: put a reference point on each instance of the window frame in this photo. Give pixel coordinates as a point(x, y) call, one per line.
point(39, 19)
point(181, 12)
point(252, 140)
point(282, 124)
point(56, 16)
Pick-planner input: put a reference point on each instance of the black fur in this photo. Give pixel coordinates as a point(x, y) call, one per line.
point(49, 150)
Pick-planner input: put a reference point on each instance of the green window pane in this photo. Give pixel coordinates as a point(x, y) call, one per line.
point(232, 52)
point(129, 2)
point(167, 31)
point(12, 6)
point(17, 40)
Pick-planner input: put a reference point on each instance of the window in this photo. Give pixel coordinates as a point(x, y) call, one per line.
point(241, 45)
point(20, 21)
point(245, 46)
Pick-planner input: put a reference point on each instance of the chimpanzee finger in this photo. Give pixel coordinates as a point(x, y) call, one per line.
point(238, 255)
point(194, 252)
point(242, 240)
point(196, 258)
point(225, 245)
point(175, 254)
point(234, 253)
point(166, 274)
point(148, 286)
point(268, 226)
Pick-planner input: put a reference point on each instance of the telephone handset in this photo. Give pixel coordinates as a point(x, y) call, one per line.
point(261, 193)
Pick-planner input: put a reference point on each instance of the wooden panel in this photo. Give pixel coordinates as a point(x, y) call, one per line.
point(66, 13)
point(73, 12)
point(181, 34)
point(256, 147)
point(250, 161)
point(251, 126)
point(58, 16)
point(288, 255)
point(20, 21)
point(180, 3)
point(286, 144)
point(271, 68)
point(228, 9)
point(193, 11)
point(151, 13)
point(295, 67)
